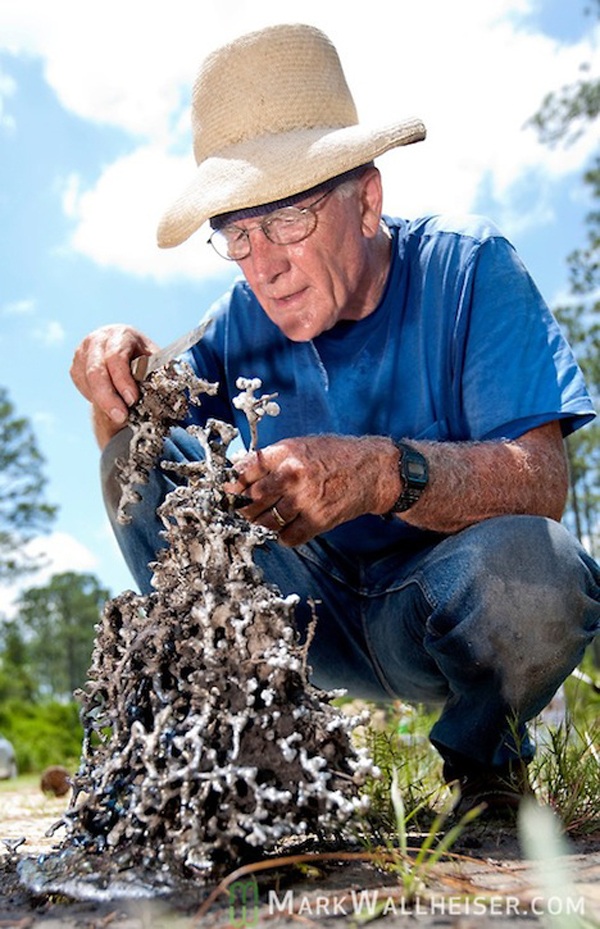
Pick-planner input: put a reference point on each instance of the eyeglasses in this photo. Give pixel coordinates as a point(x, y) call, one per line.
point(287, 226)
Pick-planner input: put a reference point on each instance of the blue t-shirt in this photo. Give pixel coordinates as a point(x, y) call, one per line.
point(461, 347)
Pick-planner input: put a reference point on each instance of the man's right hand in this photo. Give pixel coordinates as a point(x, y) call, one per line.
point(101, 370)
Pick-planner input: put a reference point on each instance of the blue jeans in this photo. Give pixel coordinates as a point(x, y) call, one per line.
point(488, 622)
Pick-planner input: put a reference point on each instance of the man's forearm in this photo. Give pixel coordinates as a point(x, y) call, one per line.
point(472, 481)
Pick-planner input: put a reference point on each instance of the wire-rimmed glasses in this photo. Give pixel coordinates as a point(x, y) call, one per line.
point(286, 226)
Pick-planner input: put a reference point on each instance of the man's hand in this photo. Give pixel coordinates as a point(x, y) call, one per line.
point(302, 487)
point(101, 370)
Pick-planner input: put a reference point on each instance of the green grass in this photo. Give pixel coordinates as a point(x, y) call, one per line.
point(23, 782)
point(403, 754)
point(567, 778)
point(565, 772)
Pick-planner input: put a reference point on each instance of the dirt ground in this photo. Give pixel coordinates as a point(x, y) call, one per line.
point(486, 885)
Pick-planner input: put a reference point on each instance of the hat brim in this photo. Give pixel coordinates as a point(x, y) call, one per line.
point(273, 167)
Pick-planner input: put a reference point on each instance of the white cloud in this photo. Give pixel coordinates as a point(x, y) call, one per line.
point(475, 72)
point(61, 552)
point(115, 221)
point(44, 420)
point(118, 63)
point(50, 333)
point(23, 307)
point(7, 89)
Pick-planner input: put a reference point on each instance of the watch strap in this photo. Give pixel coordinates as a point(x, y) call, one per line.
point(414, 475)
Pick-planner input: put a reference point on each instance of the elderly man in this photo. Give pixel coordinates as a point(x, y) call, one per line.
point(416, 475)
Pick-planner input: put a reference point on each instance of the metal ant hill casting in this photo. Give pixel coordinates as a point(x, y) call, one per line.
point(205, 743)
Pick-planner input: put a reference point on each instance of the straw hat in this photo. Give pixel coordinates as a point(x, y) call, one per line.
point(272, 116)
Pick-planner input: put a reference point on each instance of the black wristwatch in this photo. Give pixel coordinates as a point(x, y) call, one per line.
point(414, 475)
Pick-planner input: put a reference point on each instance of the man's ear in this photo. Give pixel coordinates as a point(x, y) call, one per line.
point(371, 200)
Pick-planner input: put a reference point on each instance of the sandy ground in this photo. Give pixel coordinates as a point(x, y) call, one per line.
point(487, 884)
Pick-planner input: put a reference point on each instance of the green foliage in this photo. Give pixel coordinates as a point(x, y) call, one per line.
point(23, 512)
point(42, 734)
point(404, 756)
point(583, 447)
point(565, 772)
point(414, 873)
point(45, 653)
point(50, 640)
point(16, 680)
point(563, 115)
point(568, 775)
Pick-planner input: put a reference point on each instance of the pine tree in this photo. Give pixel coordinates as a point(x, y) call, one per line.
point(23, 512)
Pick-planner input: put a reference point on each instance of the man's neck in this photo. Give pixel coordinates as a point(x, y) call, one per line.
point(375, 277)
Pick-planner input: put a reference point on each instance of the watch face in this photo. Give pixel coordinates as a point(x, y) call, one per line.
point(415, 469)
point(414, 474)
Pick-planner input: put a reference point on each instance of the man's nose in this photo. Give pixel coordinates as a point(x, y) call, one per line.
point(268, 259)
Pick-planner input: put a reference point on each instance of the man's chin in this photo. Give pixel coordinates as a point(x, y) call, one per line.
point(298, 330)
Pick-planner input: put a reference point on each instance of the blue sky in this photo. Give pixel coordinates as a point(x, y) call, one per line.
point(94, 144)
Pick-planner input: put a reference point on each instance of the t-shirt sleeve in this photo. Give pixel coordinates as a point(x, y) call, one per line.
point(512, 362)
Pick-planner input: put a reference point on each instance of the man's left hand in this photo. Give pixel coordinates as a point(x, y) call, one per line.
point(301, 487)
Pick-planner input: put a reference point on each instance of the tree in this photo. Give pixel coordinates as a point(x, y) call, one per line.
point(23, 513)
point(563, 115)
point(16, 681)
point(57, 625)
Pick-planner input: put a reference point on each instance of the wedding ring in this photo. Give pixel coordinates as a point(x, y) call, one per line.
point(278, 517)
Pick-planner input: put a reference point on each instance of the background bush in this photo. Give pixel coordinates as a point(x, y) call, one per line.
point(42, 733)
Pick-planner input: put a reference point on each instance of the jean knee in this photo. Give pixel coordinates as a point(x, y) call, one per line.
point(549, 574)
point(523, 609)
point(516, 558)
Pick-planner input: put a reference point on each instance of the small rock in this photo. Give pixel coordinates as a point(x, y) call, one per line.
point(56, 780)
